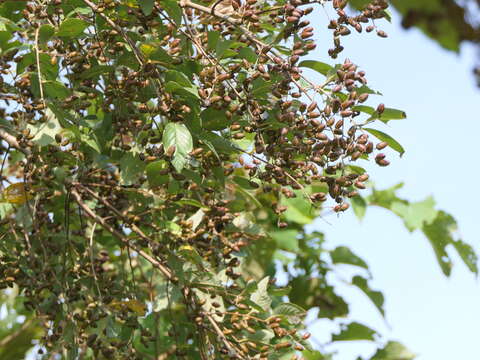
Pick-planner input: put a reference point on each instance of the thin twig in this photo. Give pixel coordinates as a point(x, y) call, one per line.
point(224, 339)
point(91, 261)
point(37, 55)
point(157, 264)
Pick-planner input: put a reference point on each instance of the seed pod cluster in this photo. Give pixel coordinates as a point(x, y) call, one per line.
point(257, 126)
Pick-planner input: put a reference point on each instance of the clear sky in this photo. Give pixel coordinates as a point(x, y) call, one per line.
point(436, 317)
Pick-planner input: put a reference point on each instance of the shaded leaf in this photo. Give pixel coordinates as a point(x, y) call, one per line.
point(375, 296)
point(71, 27)
point(343, 255)
point(394, 351)
point(353, 332)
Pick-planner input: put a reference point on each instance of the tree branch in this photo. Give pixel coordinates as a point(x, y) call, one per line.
point(12, 141)
point(157, 264)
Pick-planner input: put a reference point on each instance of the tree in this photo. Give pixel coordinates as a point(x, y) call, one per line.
point(161, 160)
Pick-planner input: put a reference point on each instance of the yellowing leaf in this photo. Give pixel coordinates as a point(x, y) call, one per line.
point(137, 307)
point(132, 305)
point(16, 194)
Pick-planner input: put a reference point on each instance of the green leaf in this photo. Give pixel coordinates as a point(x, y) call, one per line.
point(178, 77)
point(55, 90)
point(131, 168)
point(299, 210)
point(416, 214)
point(153, 173)
point(343, 255)
point(260, 296)
point(392, 114)
point(146, 6)
point(178, 135)
point(45, 33)
point(467, 254)
point(286, 239)
point(222, 46)
point(213, 37)
point(375, 296)
point(213, 119)
point(394, 351)
point(359, 206)
point(173, 10)
point(292, 312)
point(388, 139)
point(71, 27)
point(354, 332)
point(318, 66)
point(439, 234)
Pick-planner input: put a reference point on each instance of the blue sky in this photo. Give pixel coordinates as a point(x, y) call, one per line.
point(436, 317)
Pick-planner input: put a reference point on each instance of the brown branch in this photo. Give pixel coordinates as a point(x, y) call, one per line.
point(133, 227)
point(110, 22)
point(12, 141)
point(157, 264)
point(263, 47)
point(211, 11)
point(224, 339)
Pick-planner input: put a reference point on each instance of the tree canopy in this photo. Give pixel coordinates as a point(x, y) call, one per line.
point(160, 162)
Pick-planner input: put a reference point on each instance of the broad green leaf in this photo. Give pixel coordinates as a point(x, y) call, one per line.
point(467, 254)
point(439, 233)
point(318, 66)
point(146, 6)
point(213, 119)
point(155, 174)
point(45, 33)
point(178, 135)
point(260, 296)
point(385, 198)
point(354, 332)
point(71, 27)
point(375, 296)
point(343, 255)
point(388, 139)
point(286, 239)
point(392, 114)
point(416, 214)
point(299, 210)
point(55, 90)
point(293, 312)
point(213, 37)
point(131, 168)
point(178, 77)
point(173, 10)
point(394, 351)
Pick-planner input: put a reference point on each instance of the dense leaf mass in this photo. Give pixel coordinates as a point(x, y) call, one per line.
point(160, 161)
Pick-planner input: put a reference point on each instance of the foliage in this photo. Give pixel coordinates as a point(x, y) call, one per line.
point(161, 159)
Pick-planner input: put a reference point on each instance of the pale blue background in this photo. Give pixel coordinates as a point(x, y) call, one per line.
point(436, 317)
